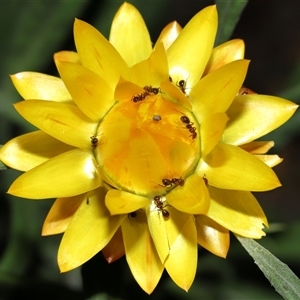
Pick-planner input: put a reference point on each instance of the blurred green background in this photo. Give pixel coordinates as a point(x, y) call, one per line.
point(30, 32)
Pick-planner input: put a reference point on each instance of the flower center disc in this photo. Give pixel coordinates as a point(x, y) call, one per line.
point(141, 143)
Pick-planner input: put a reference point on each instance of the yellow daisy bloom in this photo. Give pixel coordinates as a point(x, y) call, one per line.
point(149, 151)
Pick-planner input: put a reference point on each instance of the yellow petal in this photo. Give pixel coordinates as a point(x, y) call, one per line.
point(121, 202)
point(61, 214)
point(89, 91)
point(129, 35)
point(126, 89)
point(170, 91)
point(157, 227)
point(270, 160)
point(141, 254)
point(69, 56)
point(194, 41)
point(90, 229)
point(108, 183)
point(215, 92)
point(252, 116)
point(65, 175)
point(152, 71)
point(97, 54)
point(115, 248)
point(211, 131)
point(140, 74)
point(181, 263)
point(192, 197)
point(63, 121)
point(33, 85)
point(30, 150)
point(230, 167)
point(212, 236)
point(169, 34)
point(237, 211)
point(258, 147)
point(224, 54)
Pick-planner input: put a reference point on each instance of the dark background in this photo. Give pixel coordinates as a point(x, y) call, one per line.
point(30, 32)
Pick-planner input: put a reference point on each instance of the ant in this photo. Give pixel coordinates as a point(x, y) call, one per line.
point(178, 181)
point(87, 200)
point(132, 215)
point(152, 90)
point(167, 182)
point(140, 97)
point(160, 206)
point(184, 119)
point(182, 84)
point(205, 180)
point(189, 125)
point(244, 91)
point(170, 182)
point(94, 141)
point(193, 134)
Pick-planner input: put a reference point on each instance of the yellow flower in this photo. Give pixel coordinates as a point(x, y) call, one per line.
point(149, 151)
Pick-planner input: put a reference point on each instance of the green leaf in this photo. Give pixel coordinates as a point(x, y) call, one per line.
point(285, 282)
point(229, 14)
point(2, 166)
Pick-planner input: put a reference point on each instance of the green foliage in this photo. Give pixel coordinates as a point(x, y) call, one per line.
point(229, 14)
point(2, 166)
point(286, 283)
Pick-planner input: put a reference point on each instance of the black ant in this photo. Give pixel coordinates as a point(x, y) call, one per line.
point(182, 84)
point(184, 119)
point(87, 200)
point(132, 215)
point(244, 91)
point(193, 133)
point(189, 125)
point(170, 182)
point(178, 181)
point(167, 182)
point(140, 97)
point(160, 206)
point(151, 89)
point(94, 141)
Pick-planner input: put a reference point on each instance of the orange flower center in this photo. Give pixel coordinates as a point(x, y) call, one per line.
point(148, 144)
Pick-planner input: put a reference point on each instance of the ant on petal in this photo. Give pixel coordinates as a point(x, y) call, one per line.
point(160, 206)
